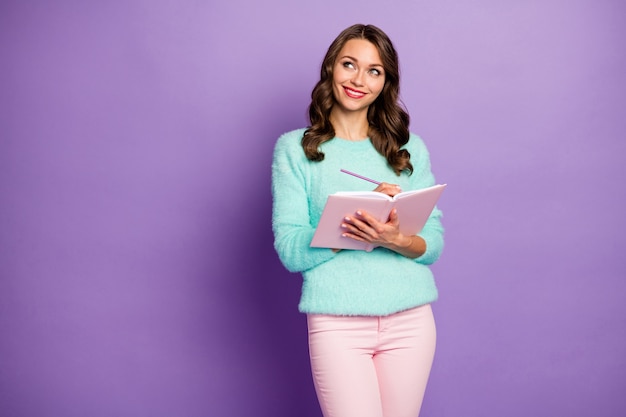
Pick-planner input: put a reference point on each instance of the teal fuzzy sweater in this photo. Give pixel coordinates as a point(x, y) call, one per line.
point(376, 283)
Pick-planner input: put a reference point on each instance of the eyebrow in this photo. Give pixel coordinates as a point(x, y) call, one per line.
point(354, 59)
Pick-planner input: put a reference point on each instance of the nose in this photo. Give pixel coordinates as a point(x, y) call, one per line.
point(357, 79)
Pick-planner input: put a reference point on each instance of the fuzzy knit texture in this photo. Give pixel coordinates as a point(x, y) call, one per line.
point(350, 282)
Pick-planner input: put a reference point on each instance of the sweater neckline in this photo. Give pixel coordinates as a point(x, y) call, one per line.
point(365, 139)
point(352, 143)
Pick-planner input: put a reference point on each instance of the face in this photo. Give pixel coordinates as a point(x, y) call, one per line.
point(358, 75)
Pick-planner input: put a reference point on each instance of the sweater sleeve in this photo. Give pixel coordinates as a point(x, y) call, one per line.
point(291, 222)
point(422, 177)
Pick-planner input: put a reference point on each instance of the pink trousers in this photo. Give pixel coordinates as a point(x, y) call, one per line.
point(372, 366)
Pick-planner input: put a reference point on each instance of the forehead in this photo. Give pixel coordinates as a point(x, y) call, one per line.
point(362, 50)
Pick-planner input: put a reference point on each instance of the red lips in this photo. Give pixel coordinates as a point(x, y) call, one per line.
point(352, 93)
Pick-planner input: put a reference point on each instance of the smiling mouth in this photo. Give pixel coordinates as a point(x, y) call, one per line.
point(353, 93)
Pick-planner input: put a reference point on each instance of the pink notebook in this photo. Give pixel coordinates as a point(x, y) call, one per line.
point(413, 207)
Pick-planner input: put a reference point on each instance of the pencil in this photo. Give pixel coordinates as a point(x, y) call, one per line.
point(345, 171)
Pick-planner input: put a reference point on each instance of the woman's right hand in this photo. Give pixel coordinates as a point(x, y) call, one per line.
point(389, 189)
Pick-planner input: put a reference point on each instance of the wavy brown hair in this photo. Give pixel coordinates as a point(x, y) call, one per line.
point(388, 120)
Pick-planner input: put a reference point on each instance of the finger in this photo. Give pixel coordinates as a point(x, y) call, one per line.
point(356, 227)
point(352, 233)
point(371, 222)
point(359, 228)
point(370, 230)
point(385, 186)
point(389, 189)
point(393, 217)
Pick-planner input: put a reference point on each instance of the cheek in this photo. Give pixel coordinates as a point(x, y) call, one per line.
point(378, 86)
point(340, 75)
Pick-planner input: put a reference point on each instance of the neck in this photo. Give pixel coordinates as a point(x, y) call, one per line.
point(349, 125)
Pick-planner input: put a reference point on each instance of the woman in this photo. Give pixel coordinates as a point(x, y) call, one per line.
point(371, 327)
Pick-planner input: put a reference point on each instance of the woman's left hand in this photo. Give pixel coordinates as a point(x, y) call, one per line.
point(365, 228)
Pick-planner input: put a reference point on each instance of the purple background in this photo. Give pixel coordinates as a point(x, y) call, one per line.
point(137, 274)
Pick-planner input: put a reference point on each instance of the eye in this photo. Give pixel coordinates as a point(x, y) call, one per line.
point(375, 72)
point(348, 64)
